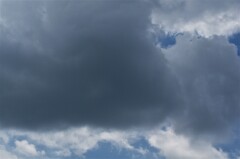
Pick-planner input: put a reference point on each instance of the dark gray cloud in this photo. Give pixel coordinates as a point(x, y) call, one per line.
point(82, 63)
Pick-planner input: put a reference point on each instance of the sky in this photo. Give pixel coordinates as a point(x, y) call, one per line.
point(119, 79)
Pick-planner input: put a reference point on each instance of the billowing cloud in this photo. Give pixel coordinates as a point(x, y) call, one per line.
point(206, 18)
point(25, 148)
point(80, 141)
point(70, 142)
point(174, 146)
point(82, 63)
point(149, 77)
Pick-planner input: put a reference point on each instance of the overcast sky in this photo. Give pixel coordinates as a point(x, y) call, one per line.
point(134, 79)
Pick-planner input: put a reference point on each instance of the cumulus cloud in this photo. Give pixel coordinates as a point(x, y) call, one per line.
point(174, 146)
point(27, 149)
point(206, 18)
point(71, 142)
point(78, 141)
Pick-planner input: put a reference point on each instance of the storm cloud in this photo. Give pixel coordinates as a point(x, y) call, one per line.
point(82, 63)
point(96, 63)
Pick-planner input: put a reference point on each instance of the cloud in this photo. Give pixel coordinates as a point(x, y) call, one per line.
point(27, 149)
point(82, 63)
point(6, 155)
point(78, 142)
point(208, 71)
point(175, 146)
point(206, 18)
point(94, 68)
point(4, 137)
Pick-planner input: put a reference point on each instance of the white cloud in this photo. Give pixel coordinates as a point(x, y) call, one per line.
point(27, 149)
point(174, 146)
point(207, 18)
point(76, 140)
point(4, 154)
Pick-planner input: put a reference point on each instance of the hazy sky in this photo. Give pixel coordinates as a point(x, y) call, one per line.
point(132, 79)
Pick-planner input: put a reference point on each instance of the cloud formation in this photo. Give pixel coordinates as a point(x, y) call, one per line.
point(82, 63)
point(174, 146)
point(80, 141)
point(206, 18)
point(91, 63)
point(208, 71)
point(27, 149)
point(155, 78)
point(69, 142)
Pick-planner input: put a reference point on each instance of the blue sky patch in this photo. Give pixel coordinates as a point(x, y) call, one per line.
point(235, 39)
point(166, 40)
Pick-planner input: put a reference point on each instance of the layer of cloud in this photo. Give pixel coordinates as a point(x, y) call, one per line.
point(69, 142)
point(79, 141)
point(206, 18)
point(76, 141)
